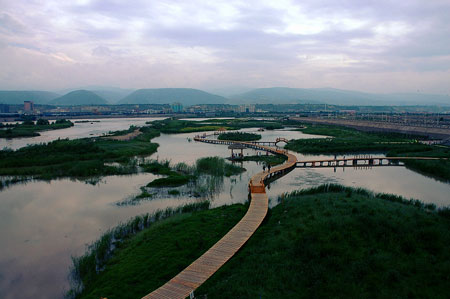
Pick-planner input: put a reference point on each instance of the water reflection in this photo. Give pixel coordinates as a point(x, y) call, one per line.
point(79, 130)
point(42, 224)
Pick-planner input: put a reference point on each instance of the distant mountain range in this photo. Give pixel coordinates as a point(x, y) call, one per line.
point(79, 97)
point(185, 96)
point(285, 95)
point(16, 97)
point(188, 97)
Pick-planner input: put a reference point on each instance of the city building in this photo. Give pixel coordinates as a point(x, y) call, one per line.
point(4, 108)
point(247, 108)
point(177, 107)
point(28, 106)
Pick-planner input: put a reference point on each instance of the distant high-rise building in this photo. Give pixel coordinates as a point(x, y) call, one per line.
point(4, 108)
point(247, 108)
point(28, 106)
point(177, 107)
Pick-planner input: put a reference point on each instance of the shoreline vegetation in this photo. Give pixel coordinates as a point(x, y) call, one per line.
point(239, 136)
point(326, 241)
point(90, 158)
point(86, 268)
point(79, 158)
point(348, 141)
point(30, 129)
point(176, 126)
point(203, 178)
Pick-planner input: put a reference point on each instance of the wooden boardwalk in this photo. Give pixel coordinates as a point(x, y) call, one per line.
point(360, 161)
point(184, 284)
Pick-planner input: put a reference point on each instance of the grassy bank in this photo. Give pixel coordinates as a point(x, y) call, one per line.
point(30, 129)
point(239, 136)
point(331, 241)
point(205, 176)
point(341, 243)
point(149, 258)
point(77, 158)
point(217, 166)
point(173, 126)
point(347, 141)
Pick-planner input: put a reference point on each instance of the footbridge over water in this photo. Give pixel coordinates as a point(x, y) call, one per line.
point(359, 161)
point(185, 282)
point(188, 280)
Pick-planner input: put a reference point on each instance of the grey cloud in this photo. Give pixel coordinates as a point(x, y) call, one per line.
point(10, 25)
point(245, 48)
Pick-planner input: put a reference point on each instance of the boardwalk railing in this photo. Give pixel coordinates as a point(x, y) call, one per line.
point(360, 161)
point(184, 283)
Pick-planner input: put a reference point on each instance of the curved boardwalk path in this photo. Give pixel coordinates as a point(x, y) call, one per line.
point(206, 265)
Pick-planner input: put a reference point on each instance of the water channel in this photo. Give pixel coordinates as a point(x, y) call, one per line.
point(43, 224)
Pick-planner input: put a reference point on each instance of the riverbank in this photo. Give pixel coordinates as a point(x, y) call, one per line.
point(323, 242)
point(372, 126)
point(351, 141)
point(30, 129)
point(80, 158)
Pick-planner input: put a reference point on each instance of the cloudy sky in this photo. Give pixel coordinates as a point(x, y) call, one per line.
point(371, 45)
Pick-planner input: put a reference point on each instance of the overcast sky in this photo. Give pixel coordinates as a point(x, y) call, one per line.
point(371, 45)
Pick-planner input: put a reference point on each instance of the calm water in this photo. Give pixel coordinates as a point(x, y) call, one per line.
point(97, 127)
point(43, 224)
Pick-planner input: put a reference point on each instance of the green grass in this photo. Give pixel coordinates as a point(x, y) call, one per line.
point(150, 258)
point(439, 169)
point(348, 141)
point(173, 126)
point(170, 181)
point(181, 174)
point(330, 241)
point(239, 136)
point(173, 192)
point(29, 129)
point(77, 158)
point(217, 166)
point(343, 243)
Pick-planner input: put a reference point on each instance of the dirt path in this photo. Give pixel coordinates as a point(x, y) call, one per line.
point(125, 137)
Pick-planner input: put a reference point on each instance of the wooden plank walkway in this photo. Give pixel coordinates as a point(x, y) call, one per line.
point(184, 284)
point(360, 161)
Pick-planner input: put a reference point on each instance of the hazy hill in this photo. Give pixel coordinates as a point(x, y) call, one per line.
point(285, 95)
point(79, 97)
point(112, 96)
point(17, 97)
point(110, 93)
point(228, 91)
point(185, 96)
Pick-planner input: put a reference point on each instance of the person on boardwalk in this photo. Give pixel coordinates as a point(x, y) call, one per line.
point(268, 167)
point(264, 168)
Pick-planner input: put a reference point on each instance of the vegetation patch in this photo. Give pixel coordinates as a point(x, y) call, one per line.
point(205, 178)
point(174, 192)
point(347, 140)
point(339, 242)
point(239, 136)
point(147, 259)
point(330, 241)
point(217, 166)
point(29, 129)
point(78, 158)
point(170, 181)
point(173, 125)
